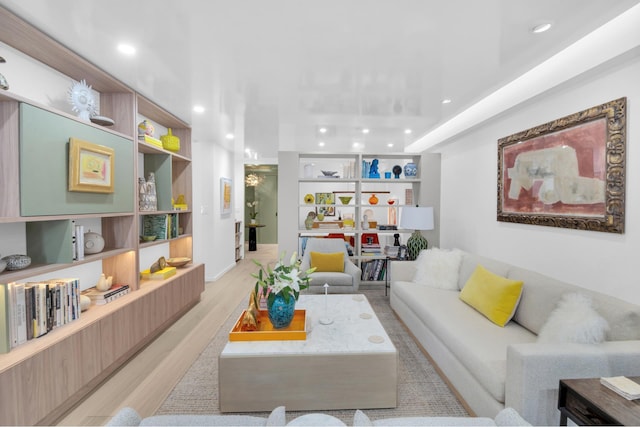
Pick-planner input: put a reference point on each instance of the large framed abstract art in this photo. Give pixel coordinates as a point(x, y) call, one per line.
point(567, 173)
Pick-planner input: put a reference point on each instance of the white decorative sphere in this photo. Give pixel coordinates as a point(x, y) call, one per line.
point(93, 243)
point(85, 302)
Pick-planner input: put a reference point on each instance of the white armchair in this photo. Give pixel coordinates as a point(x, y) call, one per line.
point(339, 282)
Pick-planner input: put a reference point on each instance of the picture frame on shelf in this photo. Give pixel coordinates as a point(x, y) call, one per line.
point(323, 200)
point(226, 187)
point(91, 167)
point(568, 173)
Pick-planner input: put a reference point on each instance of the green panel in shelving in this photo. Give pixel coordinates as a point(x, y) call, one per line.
point(49, 242)
point(44, 163)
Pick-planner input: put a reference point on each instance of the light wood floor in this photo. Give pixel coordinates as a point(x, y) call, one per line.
point(148, 378)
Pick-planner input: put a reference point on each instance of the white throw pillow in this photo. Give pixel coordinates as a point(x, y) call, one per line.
point(574, 320)
point(438, 268)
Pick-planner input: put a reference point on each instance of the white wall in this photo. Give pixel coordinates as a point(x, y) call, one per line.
point(214, 233)
point(601, 261)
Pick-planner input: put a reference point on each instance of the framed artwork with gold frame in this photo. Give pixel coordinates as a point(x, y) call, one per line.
point(568, 173)
point(91, 167)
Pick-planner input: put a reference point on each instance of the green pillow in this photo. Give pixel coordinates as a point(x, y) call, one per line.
point(494, 296)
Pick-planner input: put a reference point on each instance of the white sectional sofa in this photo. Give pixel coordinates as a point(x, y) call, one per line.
point(491, 366)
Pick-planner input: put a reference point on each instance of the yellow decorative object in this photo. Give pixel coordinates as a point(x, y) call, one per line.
point(170, 142)
point(297, 330)
point(153, 141)
point(180, 204)
point(328, 261)
point(309, 199)
point(494, 296)
point(165, 273)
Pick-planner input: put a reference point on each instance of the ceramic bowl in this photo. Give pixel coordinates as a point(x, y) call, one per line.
point(329, 173)
point(178, 262)
point(148, 238)
point(345, 199)
point(17, 262)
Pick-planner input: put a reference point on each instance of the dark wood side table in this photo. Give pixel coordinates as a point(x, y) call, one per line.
point(253, 236)
point(587, 402)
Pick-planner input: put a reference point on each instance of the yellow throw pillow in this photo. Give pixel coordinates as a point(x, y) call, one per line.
point(328, 261)
point(494, 296)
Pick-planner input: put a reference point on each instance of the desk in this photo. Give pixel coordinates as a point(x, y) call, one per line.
point(253, 237)
point(587, 402)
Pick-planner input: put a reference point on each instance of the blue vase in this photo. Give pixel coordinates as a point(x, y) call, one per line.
point(410, 170)
point(281, 312)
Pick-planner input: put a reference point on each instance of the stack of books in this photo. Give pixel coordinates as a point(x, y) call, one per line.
point(371, 249)
point(103, 297)
point(625, 387)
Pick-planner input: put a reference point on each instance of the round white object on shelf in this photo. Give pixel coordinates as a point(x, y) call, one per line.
point(93, 243)
point(85, 302)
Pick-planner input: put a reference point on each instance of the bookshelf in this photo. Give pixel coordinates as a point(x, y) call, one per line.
point(64, 365)
point(302, 174)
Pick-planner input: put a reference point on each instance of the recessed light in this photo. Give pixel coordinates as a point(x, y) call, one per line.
point(446, 101)
point(390, 145)
point(356, 145)
point(229, 136)
point(322, 130)
point(198, 108)
point(127, 49)
point(321, 144)
point(541, 28)
point(365, 131)
point(407, 131)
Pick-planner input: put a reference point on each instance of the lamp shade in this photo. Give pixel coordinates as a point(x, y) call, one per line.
point(416, 218)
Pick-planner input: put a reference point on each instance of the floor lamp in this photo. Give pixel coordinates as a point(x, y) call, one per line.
point(417, 219)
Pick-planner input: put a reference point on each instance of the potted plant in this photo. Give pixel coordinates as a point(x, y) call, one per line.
point(281, 287)
point(252, 211)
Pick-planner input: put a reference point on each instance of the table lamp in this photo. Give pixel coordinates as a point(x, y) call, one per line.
point(417, 219)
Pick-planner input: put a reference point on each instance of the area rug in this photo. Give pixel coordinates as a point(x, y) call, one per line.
point(421, 391)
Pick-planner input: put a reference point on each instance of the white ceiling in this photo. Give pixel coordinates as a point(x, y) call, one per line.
point(273, 71)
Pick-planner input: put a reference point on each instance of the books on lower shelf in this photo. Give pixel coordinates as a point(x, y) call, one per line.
point(625, 387)
point(32, 309)
point(374, 270)
point(163, 226)
point(103, 297)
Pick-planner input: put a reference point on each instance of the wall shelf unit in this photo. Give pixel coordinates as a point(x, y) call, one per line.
point(61, 367)
point(302, 174)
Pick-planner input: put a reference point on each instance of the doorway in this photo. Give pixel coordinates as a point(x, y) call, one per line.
point(261, 190)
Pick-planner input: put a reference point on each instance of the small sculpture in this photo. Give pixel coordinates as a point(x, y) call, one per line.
point(373, 169)
point(365, 222)
point(160, 264)
point(104, 283)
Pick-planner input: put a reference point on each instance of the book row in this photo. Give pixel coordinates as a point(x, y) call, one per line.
point(30, 310)
point(374, 270)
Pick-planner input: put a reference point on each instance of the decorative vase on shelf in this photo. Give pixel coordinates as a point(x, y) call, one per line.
point(410, 170)
point(373, 200)
point(281, 312)
point(308, 222)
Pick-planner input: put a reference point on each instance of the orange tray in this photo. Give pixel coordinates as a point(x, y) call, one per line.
point(297, 330)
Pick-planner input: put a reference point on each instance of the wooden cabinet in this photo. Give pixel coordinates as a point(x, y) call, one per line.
point(48, 375)
point(342, 193)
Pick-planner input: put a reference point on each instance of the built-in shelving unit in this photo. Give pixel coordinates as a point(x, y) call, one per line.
point(61, 367)
point(305, 170)
point(239, 240)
